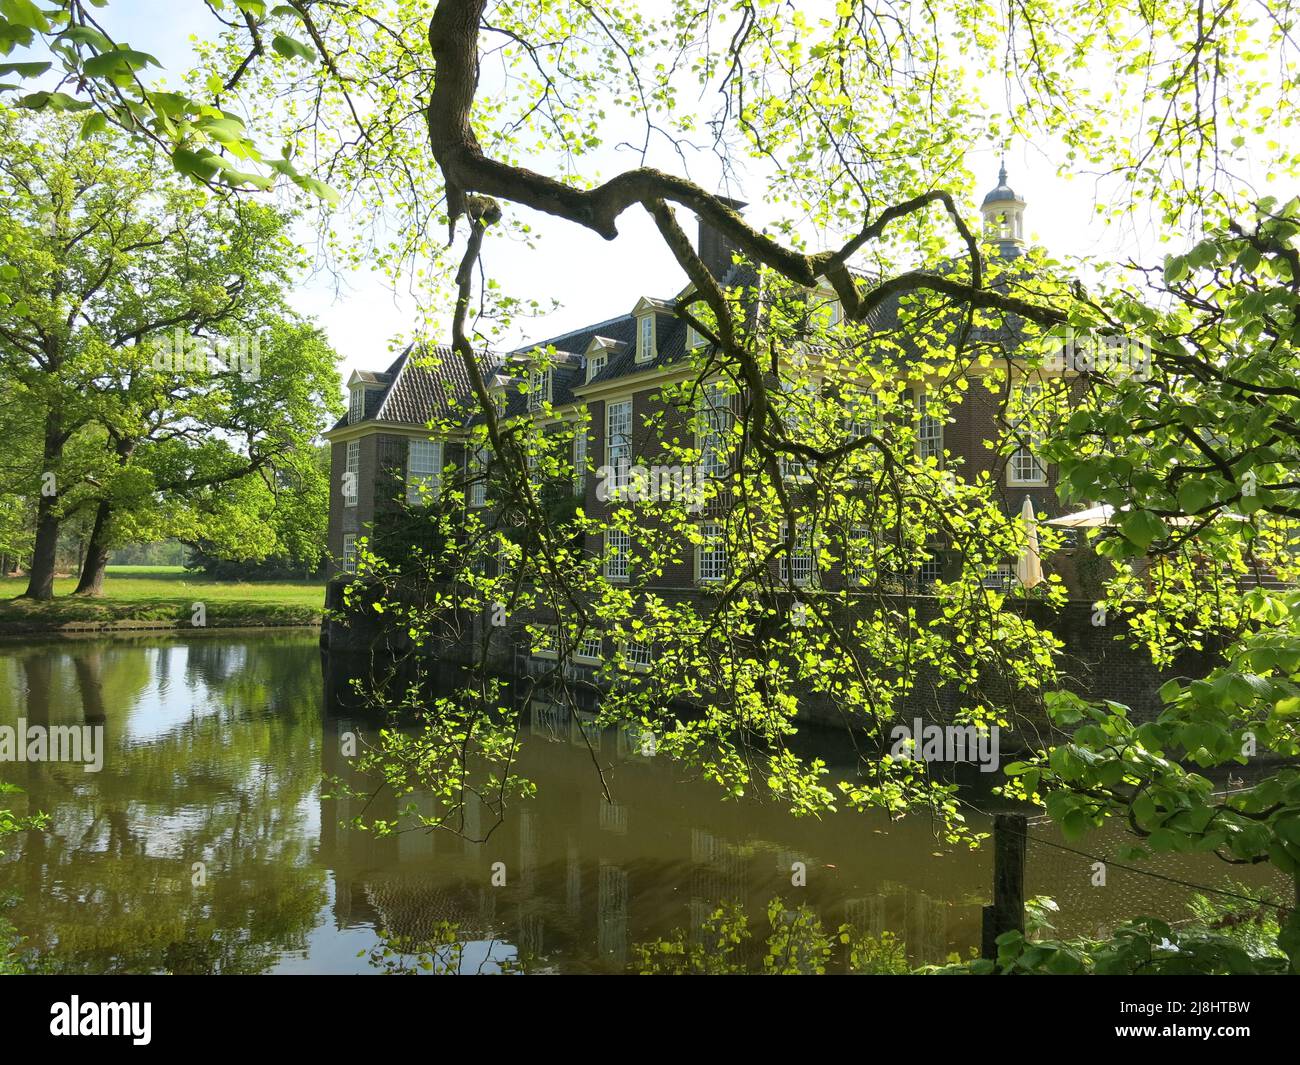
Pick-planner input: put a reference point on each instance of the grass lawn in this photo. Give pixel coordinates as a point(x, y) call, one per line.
point(159, 595)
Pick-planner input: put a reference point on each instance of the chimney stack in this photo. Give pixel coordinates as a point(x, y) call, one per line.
point(714, 248)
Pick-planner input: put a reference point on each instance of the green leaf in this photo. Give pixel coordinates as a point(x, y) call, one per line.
point(118, 61)
point(317, 188)
point(87, 35)
point(1194, 494)
point(1142, 528)
point(25, 13)
point(195, 164)
point(25, 70)
point(93, 123)
point(54, 101)
point(292, 49)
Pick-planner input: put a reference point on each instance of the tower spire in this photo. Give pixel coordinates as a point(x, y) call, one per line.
point(1003, 212)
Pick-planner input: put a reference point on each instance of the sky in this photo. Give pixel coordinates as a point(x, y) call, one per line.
point(591, 279)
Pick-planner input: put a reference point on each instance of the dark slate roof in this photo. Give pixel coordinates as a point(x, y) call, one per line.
point(422, 384)
point(887, 323)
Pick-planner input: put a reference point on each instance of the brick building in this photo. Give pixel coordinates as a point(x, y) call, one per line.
point(616, 371)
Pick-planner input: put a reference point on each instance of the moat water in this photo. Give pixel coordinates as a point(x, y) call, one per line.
point(206, 842)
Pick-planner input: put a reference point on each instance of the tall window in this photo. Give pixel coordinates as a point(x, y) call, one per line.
point(356, 404)
point(929, 432)
point(349, 552)
point(618, 441)
point(1025, 467)
point(800, 397)
point(351, 472)
point(711, 554)
point(645, 340)
point(859, 413)
point(618, 555)
point(858, 550)
point(798, 565)
point(640, 654)
point(423, 465)
point(477, 468)
point(546, 642)
point(927, 573)
point(580, 461)
point(539, 387)
point(716, 416)
point(596, 363)
point(591, 649)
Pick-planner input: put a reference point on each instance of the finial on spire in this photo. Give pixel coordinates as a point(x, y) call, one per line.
point(1002, 173)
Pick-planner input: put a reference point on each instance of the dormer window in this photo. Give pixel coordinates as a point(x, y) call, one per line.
point(645, 338)
point(539, 387)
point(356, 404)
point(596, 363)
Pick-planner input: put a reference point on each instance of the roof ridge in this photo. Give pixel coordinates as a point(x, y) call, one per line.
point(570, 334)
point(396, 369)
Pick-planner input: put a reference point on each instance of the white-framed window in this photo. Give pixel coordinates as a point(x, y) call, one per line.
point(1003, 578)
point(596, 363)
point(477, 468)
point(356, 404)
point(717, 418)
point(349, 552)
point(860, 545)
point(860, 413)
point(580, 461)
point(694, 338)
point(824, 311)
point(351, 472)
point(591, 649)
point(618, 555)
point(639, 654)
point(800, 395)
point(546, 642)
point(645, 338)
point(927, 573)
point(423, 468)
point(798, 566)
point(618, 441)
point(711, 554)
point(1024, 466)
point(540, 379)
point(929, 432)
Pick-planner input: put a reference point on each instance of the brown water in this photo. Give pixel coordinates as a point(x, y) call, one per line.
point(214, 752)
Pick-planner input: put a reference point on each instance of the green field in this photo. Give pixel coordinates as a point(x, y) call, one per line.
point(160, 595)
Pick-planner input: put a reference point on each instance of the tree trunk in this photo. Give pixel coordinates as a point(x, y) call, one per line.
point(40, 581)
point(97, 551)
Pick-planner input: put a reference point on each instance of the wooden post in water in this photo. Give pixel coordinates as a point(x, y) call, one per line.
point(1008, 909)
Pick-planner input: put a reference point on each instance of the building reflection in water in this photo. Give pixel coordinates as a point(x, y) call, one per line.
point(587, 878)
point(215, 748)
